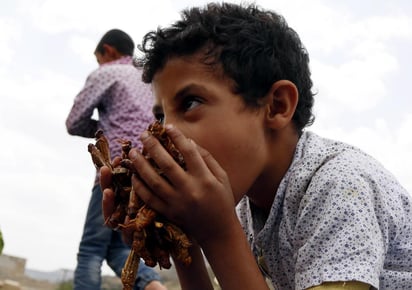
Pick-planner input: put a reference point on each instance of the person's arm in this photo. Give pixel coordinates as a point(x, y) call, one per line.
point(232, 260)
point(79, 121)
point(195, 275)
point(350, 285)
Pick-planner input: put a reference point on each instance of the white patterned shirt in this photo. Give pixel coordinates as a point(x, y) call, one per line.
point(338, 215)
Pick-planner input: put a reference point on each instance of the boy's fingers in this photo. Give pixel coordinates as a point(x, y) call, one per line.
point(116, 161)
point(105, 177)
point(211, 162)
point(162, 159)
point(153, 199)
point(203, 162)
point(188, 149)
point(108, 204)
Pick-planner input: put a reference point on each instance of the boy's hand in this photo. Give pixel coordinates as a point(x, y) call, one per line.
point(200, 199)
point(108, 194)
point(108, 201)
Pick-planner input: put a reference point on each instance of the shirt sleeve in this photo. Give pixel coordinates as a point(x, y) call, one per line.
point(338, 235)
point(79, 121)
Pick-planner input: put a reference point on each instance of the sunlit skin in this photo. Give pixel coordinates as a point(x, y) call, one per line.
point(230, 150)
point(202, 105)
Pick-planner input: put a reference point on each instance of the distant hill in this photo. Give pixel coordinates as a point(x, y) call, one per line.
point(53, 276)
point(63, 275)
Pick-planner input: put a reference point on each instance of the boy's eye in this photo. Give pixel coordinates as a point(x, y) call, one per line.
point(190, 102)
point(159, 117)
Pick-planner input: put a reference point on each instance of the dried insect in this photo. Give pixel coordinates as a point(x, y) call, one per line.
point(155, 239)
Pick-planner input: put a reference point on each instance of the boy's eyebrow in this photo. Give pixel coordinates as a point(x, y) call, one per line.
point(185, 90)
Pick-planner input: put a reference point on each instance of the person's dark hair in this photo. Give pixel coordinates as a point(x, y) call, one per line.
point(119, 40)
point(254, 47)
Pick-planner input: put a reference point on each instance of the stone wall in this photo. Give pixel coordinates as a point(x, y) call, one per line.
point(11, 267)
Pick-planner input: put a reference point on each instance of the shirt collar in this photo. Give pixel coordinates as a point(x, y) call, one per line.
point(127, 59)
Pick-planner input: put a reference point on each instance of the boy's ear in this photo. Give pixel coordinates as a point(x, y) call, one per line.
point(110, 52)
point(282, 100)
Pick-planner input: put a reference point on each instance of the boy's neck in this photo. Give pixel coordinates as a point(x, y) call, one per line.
point(281, 150)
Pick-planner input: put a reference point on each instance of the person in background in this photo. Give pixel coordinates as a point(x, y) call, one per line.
point(261, 195)
point(123, 103)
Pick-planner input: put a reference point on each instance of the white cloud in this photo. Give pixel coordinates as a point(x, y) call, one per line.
point(47, 185)
point(83, 47)
point(351, 54)
point(356, 85)
point(10, 33)
point(384, 27)
point(99, 15)
point(34, 101)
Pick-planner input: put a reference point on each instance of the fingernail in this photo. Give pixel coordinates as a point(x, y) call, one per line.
point(169, 126)
point(144, 135)
point(132, 155)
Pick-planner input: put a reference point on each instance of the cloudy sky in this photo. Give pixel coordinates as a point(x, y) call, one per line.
point(360, 60)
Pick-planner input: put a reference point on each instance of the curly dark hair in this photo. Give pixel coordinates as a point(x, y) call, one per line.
point(254, 47)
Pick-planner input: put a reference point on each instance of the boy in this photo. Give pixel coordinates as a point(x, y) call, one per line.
point(260, 194)
point(123, 101)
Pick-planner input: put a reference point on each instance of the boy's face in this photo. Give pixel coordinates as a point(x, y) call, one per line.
point(201, 104)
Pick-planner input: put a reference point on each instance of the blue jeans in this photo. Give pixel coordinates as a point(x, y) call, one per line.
point(99, 243)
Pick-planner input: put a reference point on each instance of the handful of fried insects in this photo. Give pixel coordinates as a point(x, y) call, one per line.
point(155, 239)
